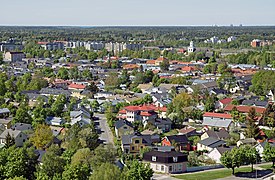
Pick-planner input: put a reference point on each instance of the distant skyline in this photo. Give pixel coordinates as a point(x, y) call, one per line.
point(137, 13)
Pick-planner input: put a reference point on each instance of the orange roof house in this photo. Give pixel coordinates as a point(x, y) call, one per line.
point(74, 86)
point(130, 66)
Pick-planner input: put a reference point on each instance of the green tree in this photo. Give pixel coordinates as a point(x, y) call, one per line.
point(22, 115)
point(42, 136)
point(63, 73)
point(269, 154)
point(103, 155)
point(76, 172)
point(9, 141)
point(252, 129)
point(164, 65)
point(136, 170)
point(107, 171)
point(232, 159)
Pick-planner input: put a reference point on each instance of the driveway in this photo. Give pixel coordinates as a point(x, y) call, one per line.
point(105, 133)
point(162, 177)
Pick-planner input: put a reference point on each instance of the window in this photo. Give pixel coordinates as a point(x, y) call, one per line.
point(133, 147)
point(137, 141)
point(175, 159)
point(170, 169)
point(162, 168)
point(125, 127)
point(154, 158)
point(157, 167)
point(180, 167)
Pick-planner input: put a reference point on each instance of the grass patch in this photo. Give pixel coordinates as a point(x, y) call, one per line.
point(266, 166)
point(170, 133)
point(220, 173)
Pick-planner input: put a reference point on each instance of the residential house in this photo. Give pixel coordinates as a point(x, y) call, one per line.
point(82, 121)
point(181, 141)
point(55, 121)
point(209, 144)
point(144, 87)
point(247, 141)
point(76, 87)
point(188, 131)
point(4, 112)
point(217, 153)
point(22, 127)
point(123, 127)
point(217, 120)
point(221, 134)
point(14, 56)
point(166, 161)
point(54, 91)
point(143, 113)
point(222, 103)
point(133, 143)
point(18, 136)
point(163, 124)
point(256, 103)
point(5, 124)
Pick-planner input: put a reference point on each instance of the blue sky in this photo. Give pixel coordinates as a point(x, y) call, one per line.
point(137, 12)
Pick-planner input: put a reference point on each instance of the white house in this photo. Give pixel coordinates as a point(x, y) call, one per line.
point(217, 153)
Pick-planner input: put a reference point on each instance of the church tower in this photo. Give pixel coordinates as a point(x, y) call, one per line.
point(191, 48)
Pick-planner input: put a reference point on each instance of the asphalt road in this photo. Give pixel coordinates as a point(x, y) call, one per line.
point(105, 133)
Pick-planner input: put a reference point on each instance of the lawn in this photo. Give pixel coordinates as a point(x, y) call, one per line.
point(222, 173)
point(267, 166)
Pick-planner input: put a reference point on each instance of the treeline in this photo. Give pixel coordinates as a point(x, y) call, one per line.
point(262, 82)
point(260, 58)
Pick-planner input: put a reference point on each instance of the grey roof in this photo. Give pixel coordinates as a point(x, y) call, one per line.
point(13, 133)
point(40, 154)
point(224, 149)
point(120, 123)
point(222, 134)
point(5, 121)
point(212, 142)
point(22, 126)
point(4, 110)
point(146, 139)
point(255, 103)
point(55, 91)
point(216, 122)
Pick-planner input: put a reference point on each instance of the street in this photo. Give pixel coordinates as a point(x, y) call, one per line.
point(105, 134)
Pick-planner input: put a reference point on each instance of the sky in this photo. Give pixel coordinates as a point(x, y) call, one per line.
point(137, 12)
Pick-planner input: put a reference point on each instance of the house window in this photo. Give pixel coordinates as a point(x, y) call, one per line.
point(137, 141)
point(124, 127)
point(180, 167)
point(162, 168)
point(133, 147)
point(170, 169)
point(154, 158)
point(157, 167)
point(175, 159)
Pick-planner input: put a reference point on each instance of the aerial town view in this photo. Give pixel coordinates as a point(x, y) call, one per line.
point(137, 90)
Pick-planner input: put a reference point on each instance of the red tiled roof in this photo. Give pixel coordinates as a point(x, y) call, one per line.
point(123, 111)
point(144, 108)
point(226, 101)
point(77, 86)
point(245, 109)
point(152, 62)
point(188, 68)
point(130, 66)
point(218, 115)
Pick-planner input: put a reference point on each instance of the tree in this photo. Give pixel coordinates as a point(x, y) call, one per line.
point(63, 73)
point(87, 74)
point(107, 171)
point(112, 81)
point(22, 115)
point(9, 141)
point(251, 155)
point(93, 88)
point(164, 65)
point(88, 138)
point(222, 67)
point(103, 155)
point(269, 154)
point(52, 165)
point(232, 159)
point(252, 129)
point(42, 136)
point(76, 172)
point(95, 105)
point(136, 170)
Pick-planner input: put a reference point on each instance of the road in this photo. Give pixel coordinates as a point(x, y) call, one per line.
point(105, 133)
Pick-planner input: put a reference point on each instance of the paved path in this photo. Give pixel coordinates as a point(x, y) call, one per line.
point(163, 177)
point(105, 133)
